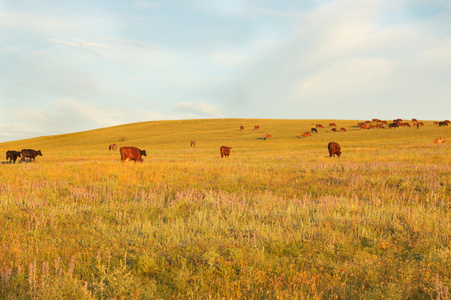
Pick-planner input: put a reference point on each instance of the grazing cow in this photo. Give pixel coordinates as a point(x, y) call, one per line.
point(313, 130)
point(132, 153)
point(241, 127)
point(332, 125)
point(12, 156)
point(363, 126)
point(112, 147)
point(334, 148)
point(439, 141)
point(30, 153)
point(414, 120)
point(319, 126)
point(305, 134)
point(393, 125)
point(193, 144)
point(447, 121)
point(442, 124)
point(384, 122)
point(334, 129)
point(256, 127)
point(379, 126)
point(266, 136)
point(225, 151)
point(343, 129)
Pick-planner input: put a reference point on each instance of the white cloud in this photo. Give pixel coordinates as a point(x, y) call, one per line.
point(12, 20)
point(97, 48)
point(199, 108)
point(67, 115)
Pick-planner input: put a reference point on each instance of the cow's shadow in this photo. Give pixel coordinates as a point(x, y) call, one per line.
point(4, 162)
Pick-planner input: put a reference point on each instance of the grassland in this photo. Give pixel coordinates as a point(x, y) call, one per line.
point(279, 219)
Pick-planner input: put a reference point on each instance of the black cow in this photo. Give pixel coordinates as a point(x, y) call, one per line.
point(334, 148)
point(393, 125)
point(30, 153)
point(12, 156)
point(442, 123)
point(314, 130)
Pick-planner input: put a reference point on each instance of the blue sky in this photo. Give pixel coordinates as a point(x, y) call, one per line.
point(68, 66)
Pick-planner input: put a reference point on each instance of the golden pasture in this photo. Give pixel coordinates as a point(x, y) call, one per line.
point(278, 219)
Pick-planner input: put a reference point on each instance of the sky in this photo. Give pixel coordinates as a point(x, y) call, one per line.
point(70, 66)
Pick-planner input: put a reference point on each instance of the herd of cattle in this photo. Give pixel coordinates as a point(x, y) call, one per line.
point(136, 154)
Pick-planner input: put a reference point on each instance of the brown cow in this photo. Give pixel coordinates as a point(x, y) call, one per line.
point(225, 151)
point(343, 129)
point(363, 126)
point(112, 147)
point(12, 156)
point(319, 126)
point(305, 134)
point(256, 127)
point(384, 122)
point(132, 153)
point(439, 141)
point(266, 136)
point(332, 125)
point(334, 148)
point(193, 143)
point(30, 153)
point(241, 127)
point(379, 126)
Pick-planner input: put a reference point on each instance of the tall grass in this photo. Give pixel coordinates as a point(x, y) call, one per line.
point(278, 219)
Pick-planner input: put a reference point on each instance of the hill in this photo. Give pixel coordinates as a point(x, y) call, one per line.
point(169, 137)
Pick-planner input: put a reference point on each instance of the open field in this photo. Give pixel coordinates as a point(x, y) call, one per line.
point(279, 219)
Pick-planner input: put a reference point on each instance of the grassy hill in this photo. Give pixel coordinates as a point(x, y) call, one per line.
point(278, 219)
point(170, 137)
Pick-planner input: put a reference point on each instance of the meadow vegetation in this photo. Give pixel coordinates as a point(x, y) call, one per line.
point(279, 219)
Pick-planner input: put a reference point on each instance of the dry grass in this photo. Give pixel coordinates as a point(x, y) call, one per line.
point(278, 219)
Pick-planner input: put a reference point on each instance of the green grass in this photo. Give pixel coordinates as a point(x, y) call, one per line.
point(279, 219)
